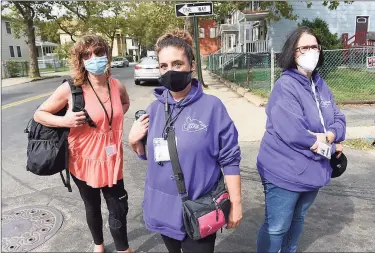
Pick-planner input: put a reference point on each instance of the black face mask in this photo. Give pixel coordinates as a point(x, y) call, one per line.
point(175, 80)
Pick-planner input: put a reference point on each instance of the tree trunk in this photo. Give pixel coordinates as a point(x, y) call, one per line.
point(112, 41)
point(189, 25)
point(139, 51)
point(33, 53)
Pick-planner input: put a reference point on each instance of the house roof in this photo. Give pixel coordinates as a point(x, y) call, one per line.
point(45, 43)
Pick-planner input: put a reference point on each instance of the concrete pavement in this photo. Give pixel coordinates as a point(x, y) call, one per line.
point(341, 219)
point(252, 115)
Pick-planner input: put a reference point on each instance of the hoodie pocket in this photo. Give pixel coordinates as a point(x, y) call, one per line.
point(162, 210)
point(302, 169)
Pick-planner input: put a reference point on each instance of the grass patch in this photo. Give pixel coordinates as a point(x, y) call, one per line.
point(361, 144)
point(351, 84)
point(61, 69)
point(345, 84)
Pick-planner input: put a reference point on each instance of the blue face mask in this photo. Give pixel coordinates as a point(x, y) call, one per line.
point(96, 65)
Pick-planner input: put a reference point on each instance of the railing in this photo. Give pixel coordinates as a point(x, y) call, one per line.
point(260, 46)
point(358, 39)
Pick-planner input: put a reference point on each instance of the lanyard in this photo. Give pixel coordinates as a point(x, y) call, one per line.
point(317, 105)
point(101, 103)
point(169, 120)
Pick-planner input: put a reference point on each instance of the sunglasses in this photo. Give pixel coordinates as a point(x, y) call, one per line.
point(97, 52)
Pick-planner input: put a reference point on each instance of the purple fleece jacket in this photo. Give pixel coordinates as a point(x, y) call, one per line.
point(207, 140)
point(285, 158)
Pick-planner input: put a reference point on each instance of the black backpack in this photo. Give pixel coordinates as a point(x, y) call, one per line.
point(47, 148)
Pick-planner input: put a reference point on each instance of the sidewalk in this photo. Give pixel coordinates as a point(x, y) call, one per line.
point(19, 80)
point(250, 119)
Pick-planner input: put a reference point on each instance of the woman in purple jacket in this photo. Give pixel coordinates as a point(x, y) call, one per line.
point(206, 138)
point(303, 122)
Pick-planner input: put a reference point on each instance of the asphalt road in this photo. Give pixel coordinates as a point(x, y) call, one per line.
point(341, 219)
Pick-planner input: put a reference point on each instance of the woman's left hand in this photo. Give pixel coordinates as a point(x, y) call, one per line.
point(235, 215)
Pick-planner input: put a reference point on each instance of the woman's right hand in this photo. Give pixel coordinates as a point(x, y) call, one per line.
point(74, 119)
point(139, 129)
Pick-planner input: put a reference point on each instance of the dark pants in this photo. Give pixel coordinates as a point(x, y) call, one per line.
point(117, 203)
point(205, 245)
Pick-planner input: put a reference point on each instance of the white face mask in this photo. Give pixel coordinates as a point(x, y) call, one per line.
point(308, 60)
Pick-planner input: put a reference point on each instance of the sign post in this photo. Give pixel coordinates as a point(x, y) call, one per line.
point(195, 10)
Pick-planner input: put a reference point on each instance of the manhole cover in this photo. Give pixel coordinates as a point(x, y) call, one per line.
point(24, 229)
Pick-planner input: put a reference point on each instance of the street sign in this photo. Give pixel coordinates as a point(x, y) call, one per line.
point(194, 9)
point(371, 62)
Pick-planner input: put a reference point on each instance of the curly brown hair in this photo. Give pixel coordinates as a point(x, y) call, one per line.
point(95, 43)
point(179, 39)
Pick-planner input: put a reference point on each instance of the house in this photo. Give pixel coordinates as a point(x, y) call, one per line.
point(248, 31)
point(13, 49)
point(123, 45)
point(208, 42)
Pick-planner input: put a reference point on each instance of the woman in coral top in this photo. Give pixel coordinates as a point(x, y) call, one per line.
point(95, 153)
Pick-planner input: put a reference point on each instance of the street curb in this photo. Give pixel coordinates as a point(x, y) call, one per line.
point(43, 78)
point(29, 81)
point(249, 96)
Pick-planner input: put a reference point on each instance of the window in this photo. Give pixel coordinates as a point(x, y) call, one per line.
point(212, 33)
point(19, 51)
point(256, 33)
point(8, 28)
point(11, 49)
point(247, 34)
point(201, 33)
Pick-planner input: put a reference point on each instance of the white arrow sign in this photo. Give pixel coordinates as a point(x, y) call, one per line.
point(194, 9)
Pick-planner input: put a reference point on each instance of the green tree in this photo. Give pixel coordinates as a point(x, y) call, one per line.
point(22, 16)
point(63, 51)
point(320, 28)
point(47, 30)
point(114, 22)
point(146, 21)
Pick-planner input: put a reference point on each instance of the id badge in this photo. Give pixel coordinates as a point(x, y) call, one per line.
point(324, 150)
point(111, 150)
point(161, 151)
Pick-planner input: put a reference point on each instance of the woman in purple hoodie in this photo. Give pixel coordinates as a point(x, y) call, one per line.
point(207, 141)
point(303, 122)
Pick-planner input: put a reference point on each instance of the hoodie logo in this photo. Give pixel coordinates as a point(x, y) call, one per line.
point(193, 125)
point(325, 103)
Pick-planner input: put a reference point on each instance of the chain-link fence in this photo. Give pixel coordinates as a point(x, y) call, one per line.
point(21, 68)
point(349, 73)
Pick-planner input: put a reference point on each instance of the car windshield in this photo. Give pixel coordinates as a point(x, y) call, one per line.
point(117, 59)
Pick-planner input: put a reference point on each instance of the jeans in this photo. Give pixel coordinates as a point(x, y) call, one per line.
point(285, 213)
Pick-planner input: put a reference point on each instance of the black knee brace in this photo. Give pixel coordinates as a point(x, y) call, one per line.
point(118, 210)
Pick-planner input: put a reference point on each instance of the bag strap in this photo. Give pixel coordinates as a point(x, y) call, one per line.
point(77, 94)
point(173, 154)
point(66, 181)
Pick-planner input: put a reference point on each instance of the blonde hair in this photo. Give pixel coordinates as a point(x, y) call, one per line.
point(86, 42)
point(179, 39)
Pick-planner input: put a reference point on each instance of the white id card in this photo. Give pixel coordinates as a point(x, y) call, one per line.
point(324, 150)
point(111, 150)
point(161, 151)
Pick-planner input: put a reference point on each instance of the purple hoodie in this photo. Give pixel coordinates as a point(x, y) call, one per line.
point(284, 157)
point(207, 140)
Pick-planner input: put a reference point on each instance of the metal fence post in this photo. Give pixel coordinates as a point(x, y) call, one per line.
point(272, 68)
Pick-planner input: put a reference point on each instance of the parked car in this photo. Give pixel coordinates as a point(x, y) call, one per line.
point(119, 62)
point(146, 70)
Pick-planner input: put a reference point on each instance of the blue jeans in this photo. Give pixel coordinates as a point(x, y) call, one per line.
point(285, 213)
